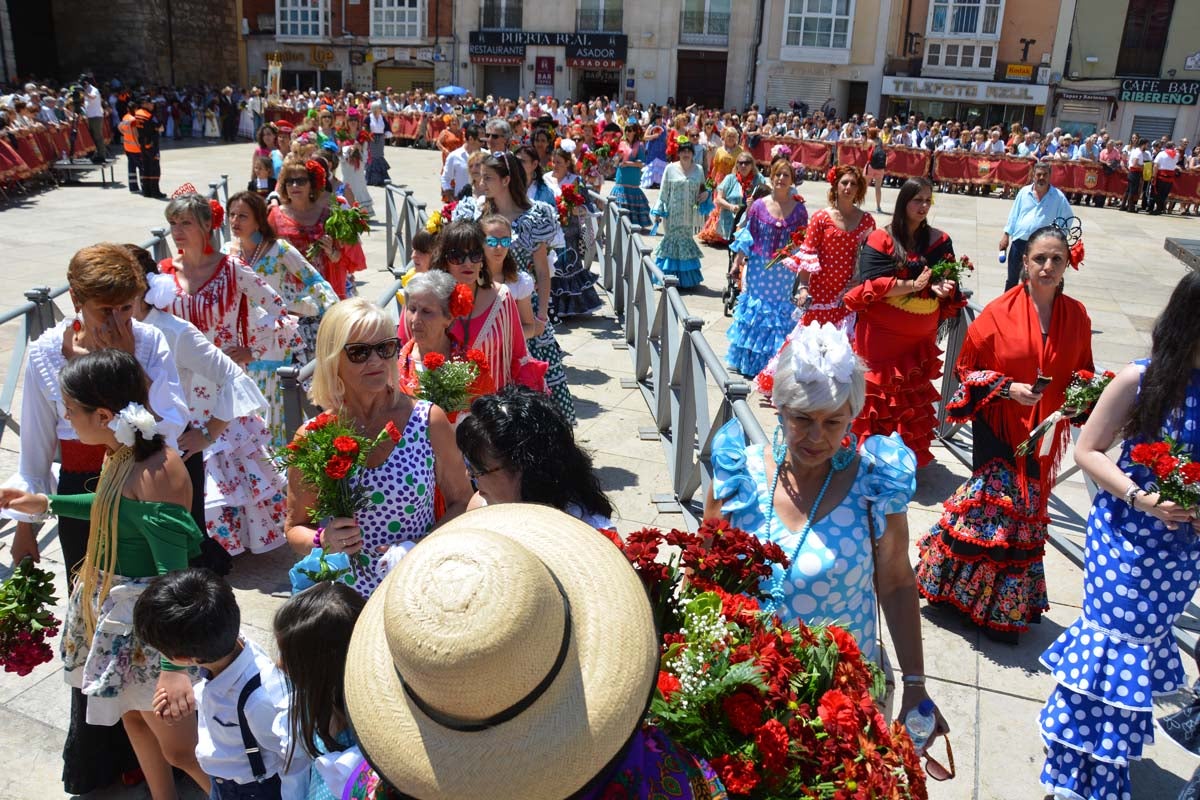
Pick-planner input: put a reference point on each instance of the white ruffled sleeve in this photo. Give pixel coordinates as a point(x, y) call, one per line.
point(239, 395)
point(273, 332)
point(337, 769)
point(39, 437)
point(892, 477)
point(522, 287)
point(317, 296)
point(166, 392)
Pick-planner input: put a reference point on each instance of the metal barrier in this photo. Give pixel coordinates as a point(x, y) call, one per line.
point(405, 216)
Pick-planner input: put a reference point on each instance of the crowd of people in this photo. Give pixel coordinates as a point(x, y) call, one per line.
point(160, 398)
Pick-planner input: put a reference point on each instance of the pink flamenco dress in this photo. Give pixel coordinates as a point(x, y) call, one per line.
point(245, 493)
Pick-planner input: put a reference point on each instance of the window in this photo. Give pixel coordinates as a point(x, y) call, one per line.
point(704, 22)
point(1145, 37)
point(985, 56)
point(965, 17)
point(500, 14)
point(818, 23)
point(951, 55)
point(933, 54)
point(302, 19)
point(397, 19)
point(600, 15)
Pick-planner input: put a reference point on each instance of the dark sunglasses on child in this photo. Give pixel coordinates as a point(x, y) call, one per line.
point(359, 352)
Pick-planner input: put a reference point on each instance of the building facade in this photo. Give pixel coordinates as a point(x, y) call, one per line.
point(981, 62)
point(358, 44)
point(1134, 67)
point(690, 50)
point(814, 51)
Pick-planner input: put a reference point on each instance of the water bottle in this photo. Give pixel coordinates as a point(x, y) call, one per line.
point(920, 723)
point(1003, 256)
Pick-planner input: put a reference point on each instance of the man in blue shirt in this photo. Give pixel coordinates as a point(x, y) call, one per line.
point(1035, 206)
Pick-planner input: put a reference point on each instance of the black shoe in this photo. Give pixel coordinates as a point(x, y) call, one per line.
point(1004, 637)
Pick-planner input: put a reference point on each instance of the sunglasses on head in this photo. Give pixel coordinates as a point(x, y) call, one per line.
point(359, 352)
point(499, 241)
point(458, 257)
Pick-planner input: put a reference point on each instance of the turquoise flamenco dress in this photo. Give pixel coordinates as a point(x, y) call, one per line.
point(1120, 654)
point(763, 316)
point(627, 188)
point(678, 254)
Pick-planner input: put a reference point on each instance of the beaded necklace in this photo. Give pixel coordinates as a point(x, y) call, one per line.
point(777, 578)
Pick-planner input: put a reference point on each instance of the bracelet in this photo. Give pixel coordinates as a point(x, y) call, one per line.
point(913, 680)
point(1004, 390)
point(1131, 494)
point(317, 536)
point(204, 432)
point(169, 666)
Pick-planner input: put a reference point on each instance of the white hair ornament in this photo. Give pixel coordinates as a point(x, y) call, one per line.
point(161, 291)
point(133, 418)
point(567, 145)
point(822, 351)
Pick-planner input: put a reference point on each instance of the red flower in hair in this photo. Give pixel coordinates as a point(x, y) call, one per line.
point(316, 172)
point(218, 214)
point(462, 301)
point(1076, 254)
point(831, 176)
point(433, 361)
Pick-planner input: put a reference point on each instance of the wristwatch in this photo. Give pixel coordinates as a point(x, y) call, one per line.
point(204, 432)
point(1004, 390)
point(1131, 494)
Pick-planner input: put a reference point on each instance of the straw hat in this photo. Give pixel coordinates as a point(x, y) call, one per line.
point(511, 654)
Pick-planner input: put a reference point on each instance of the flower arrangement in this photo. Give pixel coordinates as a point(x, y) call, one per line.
point(26, 621)
point(452, 383)
point(1177, 476)
point(568, 202)
point(783, 253)
point(1082, 393)
point(951, 270)
point(327, 455)
point(345, 225)
point(778, 710)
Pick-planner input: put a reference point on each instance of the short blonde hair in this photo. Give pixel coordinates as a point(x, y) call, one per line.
point(342, 321)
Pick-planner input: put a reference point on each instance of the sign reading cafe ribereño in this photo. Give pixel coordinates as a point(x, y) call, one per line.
point(1155, 90)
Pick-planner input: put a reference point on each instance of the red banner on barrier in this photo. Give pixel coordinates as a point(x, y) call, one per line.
point(908, 162)
point(853, 153)
point(812, 155)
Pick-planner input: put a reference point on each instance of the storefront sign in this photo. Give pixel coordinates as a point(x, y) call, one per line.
point(543, 71)
point(583, 50)
point(1154, 90)
point(599, 75)
point(321, 57)
point(358, 57)
point(978, 91)
point(284, 56)
point(596, 56)
point(428, 54)
point(1085, 97)
point(501, 61)
point(381, 53)
point(1019, 72)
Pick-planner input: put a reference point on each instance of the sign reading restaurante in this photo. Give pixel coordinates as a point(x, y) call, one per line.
point(586, 50)
point(1153, 90)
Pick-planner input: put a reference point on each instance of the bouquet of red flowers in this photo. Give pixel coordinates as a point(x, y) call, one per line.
point(778, 710)
point(793, 244)
point(567, 202)
point(1177, 477)
point(345, 225)
point(951, 270)
point(1082, 393)
point(327, 454)
point(451, 384)
point(26, 621)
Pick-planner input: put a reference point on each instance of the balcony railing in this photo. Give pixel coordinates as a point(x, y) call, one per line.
point(698, 27)
point(500, 16)
point(600, 20)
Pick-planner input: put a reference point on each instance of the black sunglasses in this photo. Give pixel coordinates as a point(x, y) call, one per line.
point(458, 257)
point(475, 474)
point(359, 352)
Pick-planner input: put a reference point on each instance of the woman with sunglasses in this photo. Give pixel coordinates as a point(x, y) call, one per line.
point(357, 378)
point(731, 195)
point(299, 220)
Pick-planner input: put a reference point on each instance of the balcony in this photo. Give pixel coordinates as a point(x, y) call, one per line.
point(698, 27)
point(494, 16)
point(599, 20)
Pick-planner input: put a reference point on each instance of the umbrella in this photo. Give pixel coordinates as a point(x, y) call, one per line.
point(453, 91)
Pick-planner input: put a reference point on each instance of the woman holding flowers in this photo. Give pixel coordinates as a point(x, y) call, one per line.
point(838, 510)
point(572, 286)
point(763, 316)
point(246, 319)
point(984, 556)
point(1141, 563)
point(682, 190)
point(899, 307)
point(356, 382)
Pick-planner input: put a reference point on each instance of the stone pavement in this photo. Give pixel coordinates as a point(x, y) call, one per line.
point(989, 693)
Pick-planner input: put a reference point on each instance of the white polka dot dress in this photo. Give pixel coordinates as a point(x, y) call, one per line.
point(1120, 654)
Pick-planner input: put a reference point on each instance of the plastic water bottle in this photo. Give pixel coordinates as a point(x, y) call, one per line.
point(920, 723)
point(1003, 256)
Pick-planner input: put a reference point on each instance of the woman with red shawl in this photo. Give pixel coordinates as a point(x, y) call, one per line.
point(899, 310)
point(984, 556)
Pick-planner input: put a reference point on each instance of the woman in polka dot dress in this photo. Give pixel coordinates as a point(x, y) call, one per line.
point(357, 378)
point(1141, 569)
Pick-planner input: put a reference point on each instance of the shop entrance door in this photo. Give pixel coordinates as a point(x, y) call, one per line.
point(502, 82)
point(701, 78)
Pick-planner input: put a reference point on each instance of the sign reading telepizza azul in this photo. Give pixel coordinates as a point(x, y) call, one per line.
point(585, 50)
point(1154, 90)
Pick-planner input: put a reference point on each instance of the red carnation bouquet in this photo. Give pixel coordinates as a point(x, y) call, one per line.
point(567, 202)
point(778, 710)
point(327, 454)
point(452, 383)
point(1081, 395)
point(951, 270)
point(1177, 477)
point(26, 621)
point(793, 244)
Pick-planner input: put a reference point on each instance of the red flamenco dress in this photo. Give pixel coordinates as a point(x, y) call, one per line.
point(897, 336)
point(984, 556)
point(302, 237)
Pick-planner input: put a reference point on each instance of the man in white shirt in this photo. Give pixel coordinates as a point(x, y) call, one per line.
point(1166, 164)
point(93, 109)
point(1134, 158)
point(455, 175)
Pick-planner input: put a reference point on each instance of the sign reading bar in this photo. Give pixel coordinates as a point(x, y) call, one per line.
point(979, 91)
point(1155, 90)
point(1019, 72)
point(543, 71)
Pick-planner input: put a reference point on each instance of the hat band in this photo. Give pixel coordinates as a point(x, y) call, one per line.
point(469, 726)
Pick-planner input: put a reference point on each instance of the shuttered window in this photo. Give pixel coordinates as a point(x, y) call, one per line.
point(782, 89)
point(1153, 127)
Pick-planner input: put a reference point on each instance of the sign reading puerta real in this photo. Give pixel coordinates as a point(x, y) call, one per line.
point(596, 51)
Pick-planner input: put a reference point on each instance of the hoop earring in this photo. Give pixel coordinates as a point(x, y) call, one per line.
point(842, 458)
point(479, 280)
point(778, 445)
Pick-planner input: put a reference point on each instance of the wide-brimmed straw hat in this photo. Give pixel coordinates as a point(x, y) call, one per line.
point(510, 655)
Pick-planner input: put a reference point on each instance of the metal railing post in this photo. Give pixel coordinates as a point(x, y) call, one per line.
point(41, 318)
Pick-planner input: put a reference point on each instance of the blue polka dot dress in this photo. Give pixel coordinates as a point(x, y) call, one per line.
point(1120, 654)
point(831, 578)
